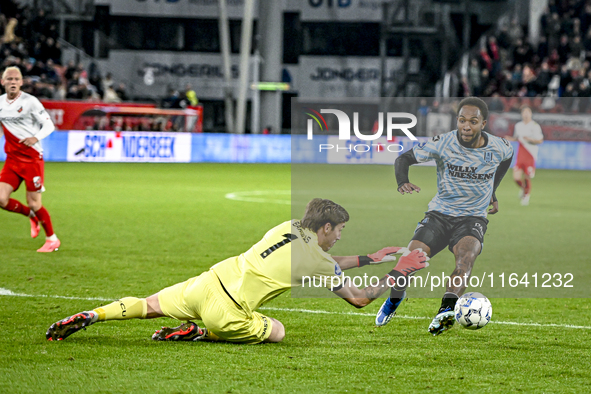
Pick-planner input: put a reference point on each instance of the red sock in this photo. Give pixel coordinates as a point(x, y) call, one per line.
point(45, 220)
point(16, 207)
point(519, 183)
point(527, 186)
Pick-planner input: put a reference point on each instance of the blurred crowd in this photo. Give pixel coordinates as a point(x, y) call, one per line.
point(29, 41)
point(507, 64)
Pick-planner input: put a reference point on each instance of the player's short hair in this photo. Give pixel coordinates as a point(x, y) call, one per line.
point(11, 68)
point(476, 102)
point(525, 106)
point(320, 211)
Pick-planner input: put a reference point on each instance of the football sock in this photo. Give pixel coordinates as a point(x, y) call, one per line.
point(527, 188)
point(125, 308)
point(94, 316)
point(448, 301)
point(45, 220)
point(400, 281)
point(52, 238)
point(16, 207)
point(519, 183)
point(396, 295)
point(210, 336)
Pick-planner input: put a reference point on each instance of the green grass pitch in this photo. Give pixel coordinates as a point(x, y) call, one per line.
point(132, 229)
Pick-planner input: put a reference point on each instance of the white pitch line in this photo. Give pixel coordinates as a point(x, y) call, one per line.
point(261, 196)
point(9, 293)
point(270, 308)
point(423, 318)
point(6, 292)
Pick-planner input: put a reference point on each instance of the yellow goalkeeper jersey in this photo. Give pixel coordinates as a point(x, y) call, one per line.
point(280, 260)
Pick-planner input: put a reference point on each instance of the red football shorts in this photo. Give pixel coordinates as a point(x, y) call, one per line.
point(525, 161)
point(15, 171)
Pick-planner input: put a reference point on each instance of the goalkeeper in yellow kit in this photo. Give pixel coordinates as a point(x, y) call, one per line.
point(227, 296)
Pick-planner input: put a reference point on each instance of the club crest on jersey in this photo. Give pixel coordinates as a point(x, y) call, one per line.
point(487, 157)
point(19, 110)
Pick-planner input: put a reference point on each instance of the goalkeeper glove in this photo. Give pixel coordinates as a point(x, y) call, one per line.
point(408, 264)
point(379, 257)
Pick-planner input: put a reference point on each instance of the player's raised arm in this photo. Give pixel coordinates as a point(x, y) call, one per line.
point(407, 265)
point(401, 167)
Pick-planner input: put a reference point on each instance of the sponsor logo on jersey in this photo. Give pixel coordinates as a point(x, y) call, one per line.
point(467, 172)
point(337, 270)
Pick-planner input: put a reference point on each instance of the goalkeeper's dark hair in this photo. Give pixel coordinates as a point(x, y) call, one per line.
point(320, 211)
point(476, 102)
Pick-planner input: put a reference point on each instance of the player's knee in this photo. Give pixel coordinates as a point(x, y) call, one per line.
point(34, 204)
point(4, 201)
point(414, 244)
point(277, 332)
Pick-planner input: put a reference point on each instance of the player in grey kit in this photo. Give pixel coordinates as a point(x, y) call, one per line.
point(470, 166)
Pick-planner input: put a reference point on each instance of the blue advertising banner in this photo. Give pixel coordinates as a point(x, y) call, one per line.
point(233, 148)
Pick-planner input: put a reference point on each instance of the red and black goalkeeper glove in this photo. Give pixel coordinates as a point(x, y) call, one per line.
point(408, 264)
point(379, 257)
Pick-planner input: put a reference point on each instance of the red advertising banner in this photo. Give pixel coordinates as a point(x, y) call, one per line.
point(83, 115)
point(557, 127)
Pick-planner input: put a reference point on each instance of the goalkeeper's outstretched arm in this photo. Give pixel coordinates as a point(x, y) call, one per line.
point(381, 256)
point(407, 265)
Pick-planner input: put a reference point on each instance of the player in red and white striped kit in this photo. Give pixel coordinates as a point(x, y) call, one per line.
point(529, 134)
point(24, 124)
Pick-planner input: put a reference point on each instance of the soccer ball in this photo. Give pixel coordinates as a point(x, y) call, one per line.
point(473, 311)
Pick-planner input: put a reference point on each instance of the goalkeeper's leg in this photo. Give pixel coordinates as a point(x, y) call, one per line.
point(123, 309)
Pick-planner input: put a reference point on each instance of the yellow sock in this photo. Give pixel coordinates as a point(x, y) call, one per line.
point(212, 337)
point(125, 308)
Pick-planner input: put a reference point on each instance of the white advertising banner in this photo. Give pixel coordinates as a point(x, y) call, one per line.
point(174, 8)
point(336, 77)
point(111, 146)
point(153, 72)
point(341, 10)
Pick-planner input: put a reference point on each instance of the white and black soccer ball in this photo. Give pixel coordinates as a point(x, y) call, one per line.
point(473, 311)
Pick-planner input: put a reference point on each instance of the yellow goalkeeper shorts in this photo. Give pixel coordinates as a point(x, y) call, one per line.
point(203, 298)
